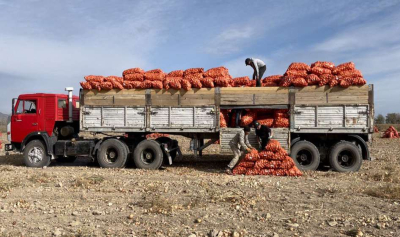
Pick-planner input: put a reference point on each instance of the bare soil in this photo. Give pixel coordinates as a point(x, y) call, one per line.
point(194, 197)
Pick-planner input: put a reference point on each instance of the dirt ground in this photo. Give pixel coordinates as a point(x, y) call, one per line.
point(194, 198)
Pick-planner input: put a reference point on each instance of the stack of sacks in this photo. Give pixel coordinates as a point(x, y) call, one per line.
point(241, 81)
point(156, 135)
point(376, 130)
point(100, 82)
point(265, 117)
point(220, 76)
point(391, 132)
point(195, 76)
point(321, 74)
point(348, 75)
point(274, 160)
point(295, 75)
point(133, 78)
point(281, 118)
point(223, 117)
point(273, 80)
point(248, 118)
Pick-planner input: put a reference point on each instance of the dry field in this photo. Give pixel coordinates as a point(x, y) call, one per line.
point(194, 198)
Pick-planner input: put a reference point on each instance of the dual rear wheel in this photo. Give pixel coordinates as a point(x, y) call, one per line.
point(344, 156)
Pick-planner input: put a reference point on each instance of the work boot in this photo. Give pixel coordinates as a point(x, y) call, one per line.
point(228, 171)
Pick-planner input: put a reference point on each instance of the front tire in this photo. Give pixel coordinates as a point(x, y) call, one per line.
point(305, 155)
point(148, 155)
point(345, 157)
point(35, 154)
point(112, 154)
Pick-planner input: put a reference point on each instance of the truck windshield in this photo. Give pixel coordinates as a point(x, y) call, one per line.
point(26, 107)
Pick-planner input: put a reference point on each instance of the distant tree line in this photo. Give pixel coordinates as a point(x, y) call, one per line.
point(391, 118)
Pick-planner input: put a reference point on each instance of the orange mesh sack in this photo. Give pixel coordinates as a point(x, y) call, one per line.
point(344, 67)
point(299, 66)
point(106, 85)
point(269, 84)
point(296, 73)
point(345, 83)
point(325, 79)
point(132, 71)
point(207, 82)
point(159, 71)
point(95, 85)
point(217, 72)
point(333, 82)
point(193, 71)
point(112, 78)
point(327, 65)
point(273, 145)
point(280, 154)
point(175, 83)
point(222, 82)
point(281, 123)
point(350, 73)
point(94, 78)
point(391, 132)
point(153, 76)
point(117, 85)
point(241, 81)
point(294, 171)
point(86, 85)
point(266, 155)
point(132, 84)
point(286, 81)
point(157, 84)
point(246, 164)
point(252, 171)
point(281, 113)
point(186, 85)
point(222, 120)
point(156, 135)
point(252, 156)
point(134, 77)
point(274, 172)
point(312, 79)
point(252, 83)
point(248, 118)
point(239, 170)
point(146, 85)
point(299, 82)
point(273, 78)
point(194, 76)
point(376, 130)
point(176, 73)
point(196, 83)
point(266, 121)
point(359, 81)
point(320, 70)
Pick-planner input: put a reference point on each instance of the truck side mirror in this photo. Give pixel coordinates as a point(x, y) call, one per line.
point(14, 102)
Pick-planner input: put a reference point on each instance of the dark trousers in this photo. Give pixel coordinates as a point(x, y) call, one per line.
point(261, 72)
point(264, 142)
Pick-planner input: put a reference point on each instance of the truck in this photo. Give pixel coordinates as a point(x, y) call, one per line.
point(328, 126)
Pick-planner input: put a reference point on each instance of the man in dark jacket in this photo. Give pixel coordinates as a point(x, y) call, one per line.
point(264, 134)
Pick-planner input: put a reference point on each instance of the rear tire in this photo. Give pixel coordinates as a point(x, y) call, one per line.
point(345, 157)
point(35, 154)
point(305, 155)
point(148, 155)
point(112, 154)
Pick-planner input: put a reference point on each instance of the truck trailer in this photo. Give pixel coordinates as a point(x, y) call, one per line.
point(328, 126)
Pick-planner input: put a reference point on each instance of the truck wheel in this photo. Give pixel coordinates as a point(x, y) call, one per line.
point(112, 154)
point(305, 155)
point(345, 157)
point(35, 154)
point(171, 144)
point(148, 155)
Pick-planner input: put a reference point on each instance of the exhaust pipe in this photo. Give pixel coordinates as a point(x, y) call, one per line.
point(69, 89)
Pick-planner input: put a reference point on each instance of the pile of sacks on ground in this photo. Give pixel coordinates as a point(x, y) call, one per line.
point(273, 160)
point(298, 75)
point(376, 130)
point(391, 132)
point(275, 118)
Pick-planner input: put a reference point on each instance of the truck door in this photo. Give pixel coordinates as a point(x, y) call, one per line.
point(25, 119)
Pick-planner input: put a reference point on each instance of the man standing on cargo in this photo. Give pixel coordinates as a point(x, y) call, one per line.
point(239, 142)
point(259, 68)
point(264, 134)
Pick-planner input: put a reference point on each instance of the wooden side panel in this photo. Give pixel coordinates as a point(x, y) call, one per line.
point(182, 117)
point(304, 116)
point(115, 97)
point(92, 117)
point(113, 117)
point(159, 117)
point(357, 116)
point(205, 117)
point(254, 96)
point(135, 117)
point(331, 116)
point(282, 135)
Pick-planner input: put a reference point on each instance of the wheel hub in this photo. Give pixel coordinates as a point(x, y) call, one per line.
point(112, 155)
point(148, 156)
point(345, 158)
point(303, 157)
point(35, 155)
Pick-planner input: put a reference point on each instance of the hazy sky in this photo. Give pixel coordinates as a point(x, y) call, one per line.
point(46, 46)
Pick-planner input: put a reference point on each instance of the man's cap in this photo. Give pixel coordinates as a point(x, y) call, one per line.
point(256, 124)
point(247, 129)
point(247, 61)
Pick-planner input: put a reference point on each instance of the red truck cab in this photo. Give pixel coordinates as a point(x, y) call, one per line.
point(41, 115)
